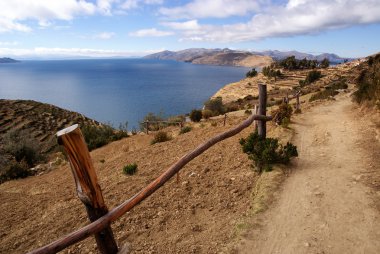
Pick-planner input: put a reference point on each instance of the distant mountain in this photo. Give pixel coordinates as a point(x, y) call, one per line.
point(279, 55)
point(214, 57)
point(7, 60)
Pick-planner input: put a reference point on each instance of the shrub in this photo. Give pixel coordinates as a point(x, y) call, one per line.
point(185, 129)
point(160, 136)
point(130, 169)
point(267, 151)
point(215, 106)
point(325, 63)
point(283, 114)
point(15, 170)
point(98, 136)
point(153, 118)
point(206, 113)
point(323, 95)
point(251, 73)
point(22, 147)
point(310, 78)
point(368, 82)
point(196, 115)
point(248, 112)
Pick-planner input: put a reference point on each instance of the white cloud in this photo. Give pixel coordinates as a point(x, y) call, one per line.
point(213, 8)
point(9, 43)
point(14, 12)
point(133, 4)
point(187, 25)
point(41, 52)
point(104, 35)
point(296, 18)
point(151, 32)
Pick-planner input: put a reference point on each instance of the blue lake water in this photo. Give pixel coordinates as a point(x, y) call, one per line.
point(116, 90)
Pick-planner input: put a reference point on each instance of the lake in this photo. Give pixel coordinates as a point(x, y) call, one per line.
point(116, 90)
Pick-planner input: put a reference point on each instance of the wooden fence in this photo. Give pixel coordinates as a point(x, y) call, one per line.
point(90, 194)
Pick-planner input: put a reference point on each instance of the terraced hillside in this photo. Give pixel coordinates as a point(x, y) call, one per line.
point(38, 121)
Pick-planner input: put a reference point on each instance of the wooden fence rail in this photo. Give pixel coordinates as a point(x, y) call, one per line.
point(103, 223)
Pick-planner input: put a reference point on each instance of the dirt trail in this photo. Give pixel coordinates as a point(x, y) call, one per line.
point(323, 207)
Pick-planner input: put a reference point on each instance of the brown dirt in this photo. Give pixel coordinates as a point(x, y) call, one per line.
point(197, 215)
point(328, 204)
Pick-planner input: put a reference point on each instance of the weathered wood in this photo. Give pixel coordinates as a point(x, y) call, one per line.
point(262, 130)
point(298, 105)
point(256, 112)
point(127, 205)
point(86, 182)
point(225, 118)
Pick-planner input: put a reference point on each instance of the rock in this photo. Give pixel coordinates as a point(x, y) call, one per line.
point(306, 244)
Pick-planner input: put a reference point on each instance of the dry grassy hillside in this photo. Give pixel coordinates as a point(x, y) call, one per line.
point(212, 197)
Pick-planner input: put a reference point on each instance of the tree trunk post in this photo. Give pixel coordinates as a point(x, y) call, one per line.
point(298, 101)
point(262, 130)
point(225, 118)
point(86, 182)
point(255, 112)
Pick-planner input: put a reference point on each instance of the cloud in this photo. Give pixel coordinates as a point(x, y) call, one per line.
point(151, 32)
point(104, 35)
point(9, 43)
point(42, 52)
point(213, 9)
point(187, 25)
point(297, 17)
point(133, 4)
point(14, 12)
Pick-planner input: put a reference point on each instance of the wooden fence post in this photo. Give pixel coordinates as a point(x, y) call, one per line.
point(298, 106)
point(262, 129)
point(256, 111)
point(86, 182)
point(225, 118)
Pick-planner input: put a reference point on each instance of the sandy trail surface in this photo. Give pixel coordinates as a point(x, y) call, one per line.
point(325, 205)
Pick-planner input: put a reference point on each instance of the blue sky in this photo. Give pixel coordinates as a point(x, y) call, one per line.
point(128, 28)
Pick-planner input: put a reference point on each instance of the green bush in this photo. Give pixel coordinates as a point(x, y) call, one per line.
point(215, 106)
point(154, 119)
point(322, 95)
point(325, 63)
point(368, 82)
point(252, 73)
point(23, 147)
point(283, 114)
point(310, 78)
point(248, 112)
point(15, 170)
point(196, 115)
point(130, 169)
point(206, 113)
point(98, 136)
point(185, 129)
point(160, 136)
point(266, 152)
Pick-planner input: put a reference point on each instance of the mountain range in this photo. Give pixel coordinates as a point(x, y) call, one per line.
point(237, 57)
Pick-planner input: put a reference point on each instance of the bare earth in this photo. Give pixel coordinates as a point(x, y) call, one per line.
point(325, 206)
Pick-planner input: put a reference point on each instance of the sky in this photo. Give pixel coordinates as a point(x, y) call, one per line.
point(50, 29)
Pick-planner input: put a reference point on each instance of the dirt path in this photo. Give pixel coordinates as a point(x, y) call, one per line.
point(323, 207)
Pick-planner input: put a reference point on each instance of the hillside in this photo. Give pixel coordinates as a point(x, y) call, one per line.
point(37, 122)
point(214, 57)
point(238, 57)
point(279, 55)
point(278, 88)
point(8, 60)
